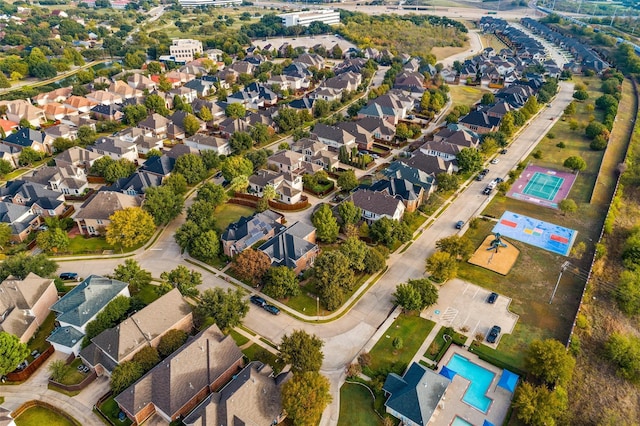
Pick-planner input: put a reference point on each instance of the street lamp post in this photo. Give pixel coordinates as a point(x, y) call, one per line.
point(317, 308)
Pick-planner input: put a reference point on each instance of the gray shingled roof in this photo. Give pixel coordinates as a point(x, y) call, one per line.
point(375, 202)
point(286, 247)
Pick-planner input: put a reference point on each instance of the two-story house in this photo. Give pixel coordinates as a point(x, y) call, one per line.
point(376, 205)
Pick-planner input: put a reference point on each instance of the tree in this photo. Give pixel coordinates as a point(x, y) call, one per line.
point(171, 341)
point(240, 184)
point(110, 316)
point(23, 263)
point(130, 272)
point(302, 350)
point(4, 81)
point(227, 308)
point(206, 246)
point(210, 159)
point(86, 135)
point(281, 282)
point(581, 95)
point(162, 204)
point(124, 375)
point(568, 206)
point(326, 224)
point(389, 231)
point(599, 143)
point(447, 182)
point(155, 103)
point(236, 166)
point(539, 405)
point(594, 129)
point(628, 292)
point(58, 369)
point(624, 352)
point(469, 160)
point(488, 99)
point(129, 227)
point(305, 397)
point(12, 352)
point(5, 167)
point(5, 234)
point(133, 114)
point(183, 279)
point(347, 180)
point(575, 163)
point(442, 266)
point(507, 124)
point(355, 250)
point(403, 132)
point(212, 193)
point(334, 278)
point(53, 240)
point(147, 358)
point(177, 183)
point(457, 246)
point(251, 265)
point(374, 260)
point(550, 362)
point(191, 167)
point(349, 213)
point(408, 297)
point(29, 155)
point(240, 142)
point(235, 111)
point(62, 144)
point(205, 114)
point(191, 124)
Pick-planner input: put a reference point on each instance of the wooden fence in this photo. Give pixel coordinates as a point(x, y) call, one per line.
point(78, 386)
point(30, 404)
point(20, 376)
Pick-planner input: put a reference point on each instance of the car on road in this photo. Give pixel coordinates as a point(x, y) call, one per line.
point(486, 191)
point(499, 180)
point(495, 161)
point(485, 171)
point(69, 276)
point(257, 300)
point(492, 298)
point(504, 151)
point(411, 116)
point(459, 224)
point(493, 334)
point(271, 309)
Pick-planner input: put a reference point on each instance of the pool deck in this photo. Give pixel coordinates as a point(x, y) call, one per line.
point(451, 404)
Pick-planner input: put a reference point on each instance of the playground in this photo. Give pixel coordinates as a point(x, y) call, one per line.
point(496, 257)
point(542, 186)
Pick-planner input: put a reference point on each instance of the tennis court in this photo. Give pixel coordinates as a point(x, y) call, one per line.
point(543, 186)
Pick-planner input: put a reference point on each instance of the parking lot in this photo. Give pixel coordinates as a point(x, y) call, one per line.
point(463, 305)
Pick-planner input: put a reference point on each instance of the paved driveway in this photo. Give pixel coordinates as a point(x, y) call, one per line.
point(464, 305)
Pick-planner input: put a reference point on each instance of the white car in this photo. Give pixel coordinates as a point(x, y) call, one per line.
point(495, 161)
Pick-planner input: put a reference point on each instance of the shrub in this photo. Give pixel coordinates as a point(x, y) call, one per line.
point(551, 135)
point(598, 143)
point(537, 154)
point(561, 145)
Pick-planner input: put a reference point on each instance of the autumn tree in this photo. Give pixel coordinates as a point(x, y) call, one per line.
point(236, 166)
point(129, 227)
point(191, 125)
point(302, 350)
point(305, 397)
point(442, 266)
point(251, 265)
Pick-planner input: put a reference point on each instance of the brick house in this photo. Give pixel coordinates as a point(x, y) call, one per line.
point(294, 247)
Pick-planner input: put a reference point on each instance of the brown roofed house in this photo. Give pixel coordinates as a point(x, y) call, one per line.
point(93, 216)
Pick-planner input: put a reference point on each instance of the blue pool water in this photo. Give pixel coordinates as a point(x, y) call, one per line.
point(457, 421)
point(479, 377)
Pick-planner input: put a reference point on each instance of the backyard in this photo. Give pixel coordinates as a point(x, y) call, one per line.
point(110, 409)
point(356, 406)
point(229, 213)
point(465, 95)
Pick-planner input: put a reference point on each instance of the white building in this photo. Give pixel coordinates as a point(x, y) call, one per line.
point(196, 3)
point(326, 16)
point(184, 49)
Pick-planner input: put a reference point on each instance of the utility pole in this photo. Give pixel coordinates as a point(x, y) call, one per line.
point(562, 268)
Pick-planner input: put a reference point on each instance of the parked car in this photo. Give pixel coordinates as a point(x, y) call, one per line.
point(485, 171)
point(493, 334)
point(495, 161)
point(257, 300)
point(487, 191)
point(480, 177)
point(69, 276)
point(503, 151)
point(271, 309)
point(492, 298)
point(459, 224)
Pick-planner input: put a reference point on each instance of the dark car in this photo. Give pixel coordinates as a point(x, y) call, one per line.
point(487, 191)
point(504, 151)
point(271, 309)
point(485, 171)
point(480, 177)
point(459, 224)
point(257, 300)
point(493, 334)
point(492, 298)
point(69, 276)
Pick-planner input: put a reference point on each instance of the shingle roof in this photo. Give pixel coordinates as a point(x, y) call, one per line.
point(17, 296)
point(138, 182)
point(399, 188)
point(66, 336)
point(286, 247)
point(25, 137)
point(249, 230)
point(161, 165)
point(87, 299)
point(105, 203)
point(375, 202)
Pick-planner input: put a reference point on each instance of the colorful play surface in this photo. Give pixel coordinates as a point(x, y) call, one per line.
point(542, 186)
point(545, 235)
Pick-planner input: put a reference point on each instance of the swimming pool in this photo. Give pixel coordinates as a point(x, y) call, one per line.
point(479, 377)
point(457, 421)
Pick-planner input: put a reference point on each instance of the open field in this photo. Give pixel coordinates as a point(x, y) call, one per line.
point(465, 95)
point(38, 416)
point(356, 407)
point(490, 40)
point(229, 213)
point(444, 52)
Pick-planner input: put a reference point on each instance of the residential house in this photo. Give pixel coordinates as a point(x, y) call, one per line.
point(311, 60)
point(286, 161)
point(480, 122)
point(10, 154)
point(411, 81)
point(304, 103)
point(124, 90)
point(288, 186)
point(204, 142)
point(61, 131)
point(77, 156)
point(80, 103)
point(410, 194)
point(231, 125)
point(141, 82)
point(93, 216)
point(334, 137)
point(142, 329)
point(378, 128)
point(249, 230)
point(57, 95)
point(179, 150)
point(55, 111)
point(160, 166)
point(328, 94)
point(22, 109)
point(414, 397)
point(115, 148)
point(24, 304)
point(180, 382)
point(102, 97)
point(111, 112)
point(316, 152)
point(251, 398)
point(186, 93)
point(289, 82)
point(392, 107)
point(429, 164)
point(156, 124)
point(458, 135)
point(202, 88)
point(445, 150)
point(135, 184)
point(177, 119)
point(364, 138)
point(376, 205)
point(294, 247)
point(426, 181)
point(348, 81)
point(29, 138)
point(21, 219)
point(79, 307)
point(38, 197)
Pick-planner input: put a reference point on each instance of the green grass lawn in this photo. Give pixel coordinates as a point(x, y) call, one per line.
point(38, 416)
point(80, 244)
point(38, 341)
point(229, 213)
point(73, 376)
point(356, 407)
point(110, 409)
point(465, 95)
point(306, 302)
point(240, 339)
point(385, 358)
point(148, 293)
point(258, 353)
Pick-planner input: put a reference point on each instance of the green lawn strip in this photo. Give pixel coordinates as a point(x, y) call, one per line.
point(385, 358)
point(38, 341)
point(239, 338)
point(110, 409)
point(79, 245)
point(306, 303)
point(39, 415)
point(229, 213)
point(617, 147)
point(438, 346)
point(268, 342)
point(247, 330)
point(356, 406)
point(148, 293)
point(257, 353)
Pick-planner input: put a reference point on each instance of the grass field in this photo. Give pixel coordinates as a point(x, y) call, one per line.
point(465, 95)
point(79, 244)
point(356, 407)
point(258, 353)
point(446, 51)
point(73, 376)
point(229, 213)
point(385, 358)
point(240, 339)
point(38, 416)
point(110, 409)
point(490, 40)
